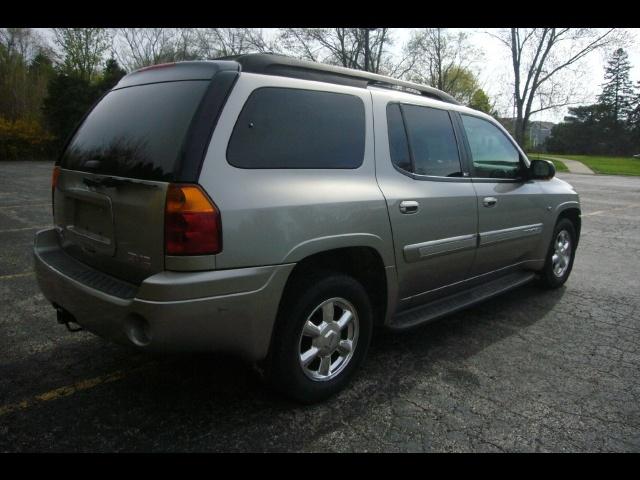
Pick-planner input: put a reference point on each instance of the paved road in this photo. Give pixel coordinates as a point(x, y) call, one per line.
point(529, 371)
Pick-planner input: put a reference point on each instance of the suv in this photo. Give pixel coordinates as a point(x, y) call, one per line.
point(281, 209)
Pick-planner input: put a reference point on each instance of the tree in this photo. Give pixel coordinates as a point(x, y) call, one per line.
point(141, 47)
point(18, 49)
point(222, 42)
point(480, 101)
point(634, 121)
point(443, 60)
point(111, 75)
point(461, 83)
point(617, 92)
point(581, 132)
point(69, 97)
point(539, 56)
point(357, 48)
point(81, 50)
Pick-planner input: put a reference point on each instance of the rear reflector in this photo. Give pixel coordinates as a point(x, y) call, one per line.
point(192, 222)
point(54, 182)
point(54, 177)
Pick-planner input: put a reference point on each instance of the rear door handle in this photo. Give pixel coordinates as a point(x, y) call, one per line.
point(489, 201)
point(409, 206)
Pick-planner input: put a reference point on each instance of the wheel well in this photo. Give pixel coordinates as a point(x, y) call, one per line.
point(573, 214)
point(362, 263)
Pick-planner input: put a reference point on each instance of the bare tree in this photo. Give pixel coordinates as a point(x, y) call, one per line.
point(540, 57)
point(443, 60)
point(223, 42)
point(22, 87)
point(358, 48)
point(81, 49)
point(140, 47)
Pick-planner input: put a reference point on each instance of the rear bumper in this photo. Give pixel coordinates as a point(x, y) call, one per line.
point(227, 310)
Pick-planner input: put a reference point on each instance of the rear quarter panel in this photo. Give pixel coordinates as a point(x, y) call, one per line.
point(275, 216)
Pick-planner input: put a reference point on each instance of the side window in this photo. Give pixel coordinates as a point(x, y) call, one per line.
point(494, 156)
point(433, 142)
point(398, 145)
point(294, 128)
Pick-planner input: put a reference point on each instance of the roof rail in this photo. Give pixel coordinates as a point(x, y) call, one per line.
point(270, 64)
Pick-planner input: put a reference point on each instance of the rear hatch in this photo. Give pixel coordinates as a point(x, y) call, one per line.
point(110, 198)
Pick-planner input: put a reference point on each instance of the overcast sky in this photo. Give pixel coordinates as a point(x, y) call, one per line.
point(495, 69)
point(495, 73)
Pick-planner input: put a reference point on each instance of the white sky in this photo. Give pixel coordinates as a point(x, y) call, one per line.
point(495, 74)
point(495, 69)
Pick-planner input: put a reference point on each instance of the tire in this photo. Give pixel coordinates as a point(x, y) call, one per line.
point(339, 294)
point(557, 269)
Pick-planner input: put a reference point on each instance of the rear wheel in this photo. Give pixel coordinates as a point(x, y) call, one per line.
point(323, 335)
point(560, 255)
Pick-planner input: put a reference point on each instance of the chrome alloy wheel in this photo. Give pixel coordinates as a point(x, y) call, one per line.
point(328, 339)
point(561, 254)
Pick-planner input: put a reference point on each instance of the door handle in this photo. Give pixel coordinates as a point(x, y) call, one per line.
point(489, 201)
point(409, 206)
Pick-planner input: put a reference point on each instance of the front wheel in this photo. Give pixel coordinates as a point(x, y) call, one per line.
point(323, 335)
point(560, 255)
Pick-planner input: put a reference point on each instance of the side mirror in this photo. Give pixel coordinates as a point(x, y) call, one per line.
point(541, 170)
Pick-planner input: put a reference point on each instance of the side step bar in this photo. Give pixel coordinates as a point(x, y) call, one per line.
point(458, 301)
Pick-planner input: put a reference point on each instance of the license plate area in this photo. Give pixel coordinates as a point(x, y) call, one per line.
point(89, 222)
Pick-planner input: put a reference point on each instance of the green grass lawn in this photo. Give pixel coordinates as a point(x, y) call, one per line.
point(560, 167)
point(600, 164)
point(609, 165)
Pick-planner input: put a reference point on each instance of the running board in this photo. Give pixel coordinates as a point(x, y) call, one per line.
point(458, 301)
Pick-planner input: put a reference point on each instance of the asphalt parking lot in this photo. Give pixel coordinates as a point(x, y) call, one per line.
point(532, 370)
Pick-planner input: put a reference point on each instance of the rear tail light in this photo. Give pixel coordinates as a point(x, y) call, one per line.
point(192, 222)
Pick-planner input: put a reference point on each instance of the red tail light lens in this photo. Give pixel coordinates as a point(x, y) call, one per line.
point(54, 177)
point(192, 222)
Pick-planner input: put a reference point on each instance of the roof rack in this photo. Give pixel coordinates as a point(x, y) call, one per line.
point(270, 64)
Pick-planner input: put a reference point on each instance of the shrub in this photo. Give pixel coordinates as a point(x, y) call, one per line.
point(23, 140)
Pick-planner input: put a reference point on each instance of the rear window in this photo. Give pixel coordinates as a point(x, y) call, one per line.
point(136, 131)
point(293, 128)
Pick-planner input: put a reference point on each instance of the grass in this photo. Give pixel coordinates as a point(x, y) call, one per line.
point(609, 165)
point(601, 164)
point(560, 167)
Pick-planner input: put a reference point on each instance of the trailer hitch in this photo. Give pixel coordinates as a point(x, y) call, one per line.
point(66, 319)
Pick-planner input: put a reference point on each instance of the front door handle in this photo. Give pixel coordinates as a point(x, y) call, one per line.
point(489, 201)
point(409, 206)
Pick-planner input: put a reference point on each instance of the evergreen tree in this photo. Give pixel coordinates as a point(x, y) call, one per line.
point(581, 132)
point(634, 121)
point(69, 97)
point(617, 91)
point(111, 75)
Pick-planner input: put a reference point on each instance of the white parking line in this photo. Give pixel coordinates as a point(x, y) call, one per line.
point(67, 390)
point(8, 230)
point(16, 275)
point(22, 205)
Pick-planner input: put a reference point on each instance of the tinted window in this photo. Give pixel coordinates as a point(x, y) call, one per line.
point(398, 146)
point(494, 156)
point(291, 128)
point(136, 131)
point(433, 143)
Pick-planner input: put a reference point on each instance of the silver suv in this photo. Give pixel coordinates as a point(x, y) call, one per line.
point(281, 210)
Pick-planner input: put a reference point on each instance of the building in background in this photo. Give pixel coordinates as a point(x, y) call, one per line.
point(537, 132)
